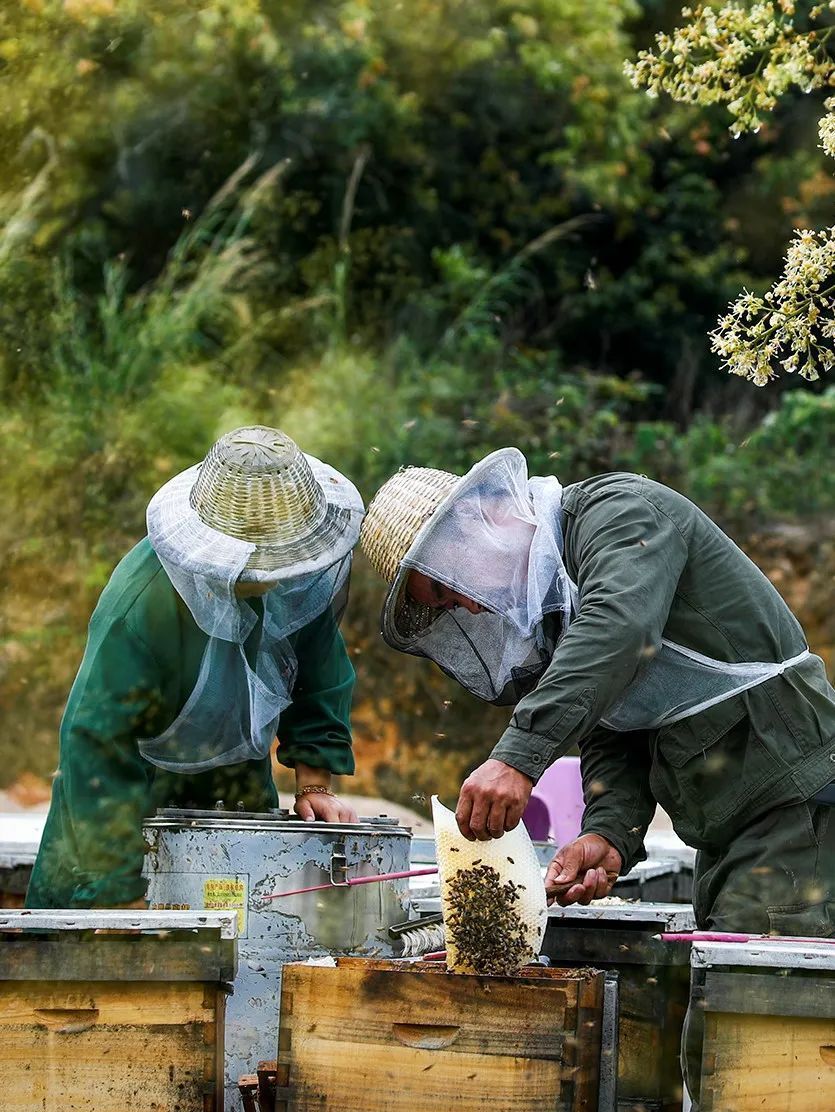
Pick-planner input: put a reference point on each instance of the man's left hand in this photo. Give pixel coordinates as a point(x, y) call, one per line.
point(492, 800)
point(325, 808)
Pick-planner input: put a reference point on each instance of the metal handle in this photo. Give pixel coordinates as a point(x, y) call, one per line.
point(339, 866)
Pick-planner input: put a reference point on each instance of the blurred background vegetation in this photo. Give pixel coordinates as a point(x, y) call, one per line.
point(404, 232)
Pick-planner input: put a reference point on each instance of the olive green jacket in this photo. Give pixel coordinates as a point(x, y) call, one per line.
point(140, 665)
point(649, 564)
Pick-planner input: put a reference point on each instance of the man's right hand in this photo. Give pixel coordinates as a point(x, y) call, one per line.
point(582, 871)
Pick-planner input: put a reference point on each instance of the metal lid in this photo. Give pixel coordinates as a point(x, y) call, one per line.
point(221, 819)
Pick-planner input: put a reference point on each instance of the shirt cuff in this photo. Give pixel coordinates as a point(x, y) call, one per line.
point(338, 759)
point(526, 752)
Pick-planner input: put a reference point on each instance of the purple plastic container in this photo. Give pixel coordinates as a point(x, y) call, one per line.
point(555, 809)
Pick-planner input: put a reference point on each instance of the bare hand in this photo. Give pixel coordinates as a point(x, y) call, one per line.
point(492, 800)
point(325, 808)
point(582, 871)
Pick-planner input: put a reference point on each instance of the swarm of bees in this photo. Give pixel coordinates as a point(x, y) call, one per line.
point(483, 922)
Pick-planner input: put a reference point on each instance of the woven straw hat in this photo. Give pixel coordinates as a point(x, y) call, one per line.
point(255, 485)
point(402, 506)
point(400, 516)
point(398, 511)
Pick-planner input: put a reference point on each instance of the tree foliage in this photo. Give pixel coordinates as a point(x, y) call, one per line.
point(406, 231)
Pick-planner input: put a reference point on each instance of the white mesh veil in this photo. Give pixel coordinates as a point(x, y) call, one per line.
point(679, 682)
point(248, 667)
point(497, 539)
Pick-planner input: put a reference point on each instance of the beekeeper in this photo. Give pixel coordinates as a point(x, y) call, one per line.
point(217, 631)
point(616, 616)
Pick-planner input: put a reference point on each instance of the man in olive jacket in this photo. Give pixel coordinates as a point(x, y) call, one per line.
point(562, 602)
point(747, 781)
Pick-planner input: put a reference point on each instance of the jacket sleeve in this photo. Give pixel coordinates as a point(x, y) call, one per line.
point(619, 803)
point(316, 728)
point(629, 557)
point(104, 788)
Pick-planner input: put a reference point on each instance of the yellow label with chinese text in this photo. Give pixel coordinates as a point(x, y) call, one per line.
point(226, 893)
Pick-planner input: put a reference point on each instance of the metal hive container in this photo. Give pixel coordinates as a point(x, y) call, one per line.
point(221, 859)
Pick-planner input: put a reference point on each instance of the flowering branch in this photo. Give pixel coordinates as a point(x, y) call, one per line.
point(743, 56)
point(747, 56)
point(793, 325)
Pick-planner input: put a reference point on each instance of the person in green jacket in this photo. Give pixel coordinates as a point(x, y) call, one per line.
point(215, 633)
point(616, 616)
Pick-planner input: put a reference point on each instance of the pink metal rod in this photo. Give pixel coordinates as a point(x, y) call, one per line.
point(352, 881)
point(717, 936)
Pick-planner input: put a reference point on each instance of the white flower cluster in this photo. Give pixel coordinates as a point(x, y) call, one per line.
point(826, 128)
point(743, 56)
point(793, 325)
point(746, 56)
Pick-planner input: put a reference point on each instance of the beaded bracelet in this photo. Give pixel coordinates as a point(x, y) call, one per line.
point(311, 789)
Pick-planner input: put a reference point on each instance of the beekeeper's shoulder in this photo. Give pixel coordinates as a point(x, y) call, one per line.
point(138, 593)
point(603, 492)
point(597, 488)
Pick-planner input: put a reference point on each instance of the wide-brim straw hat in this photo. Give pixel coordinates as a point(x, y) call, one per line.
point(402, 515)
point(256, 486)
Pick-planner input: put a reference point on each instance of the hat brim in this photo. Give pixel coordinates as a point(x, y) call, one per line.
point(331, 539)
point(403, 620)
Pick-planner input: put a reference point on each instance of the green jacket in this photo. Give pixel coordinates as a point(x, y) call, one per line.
point(140, 665)
point(649, 564)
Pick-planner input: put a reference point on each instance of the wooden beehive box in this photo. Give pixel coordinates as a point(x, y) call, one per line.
point(398, 1036)
point(769, 1025)
point(129, 1021)
point(653, 989)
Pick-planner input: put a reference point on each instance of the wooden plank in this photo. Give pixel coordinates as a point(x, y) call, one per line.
point(405, 1079)
point(753, 1062)
point(464, 1014)
point(392, 1037)
point(248, 1089)
point(117, 1004)
point(586, 1044)
point(267, 1086)
point(118, 1047)
point(97, 957)
point(767, 994)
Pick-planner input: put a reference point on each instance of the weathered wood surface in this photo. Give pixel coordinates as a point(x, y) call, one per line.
point(259, 1091)
point(766, 994)
point(653, 991)
point(382, 1036)
point(117, 1047)
point(86, 956)
point(753, 1063)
